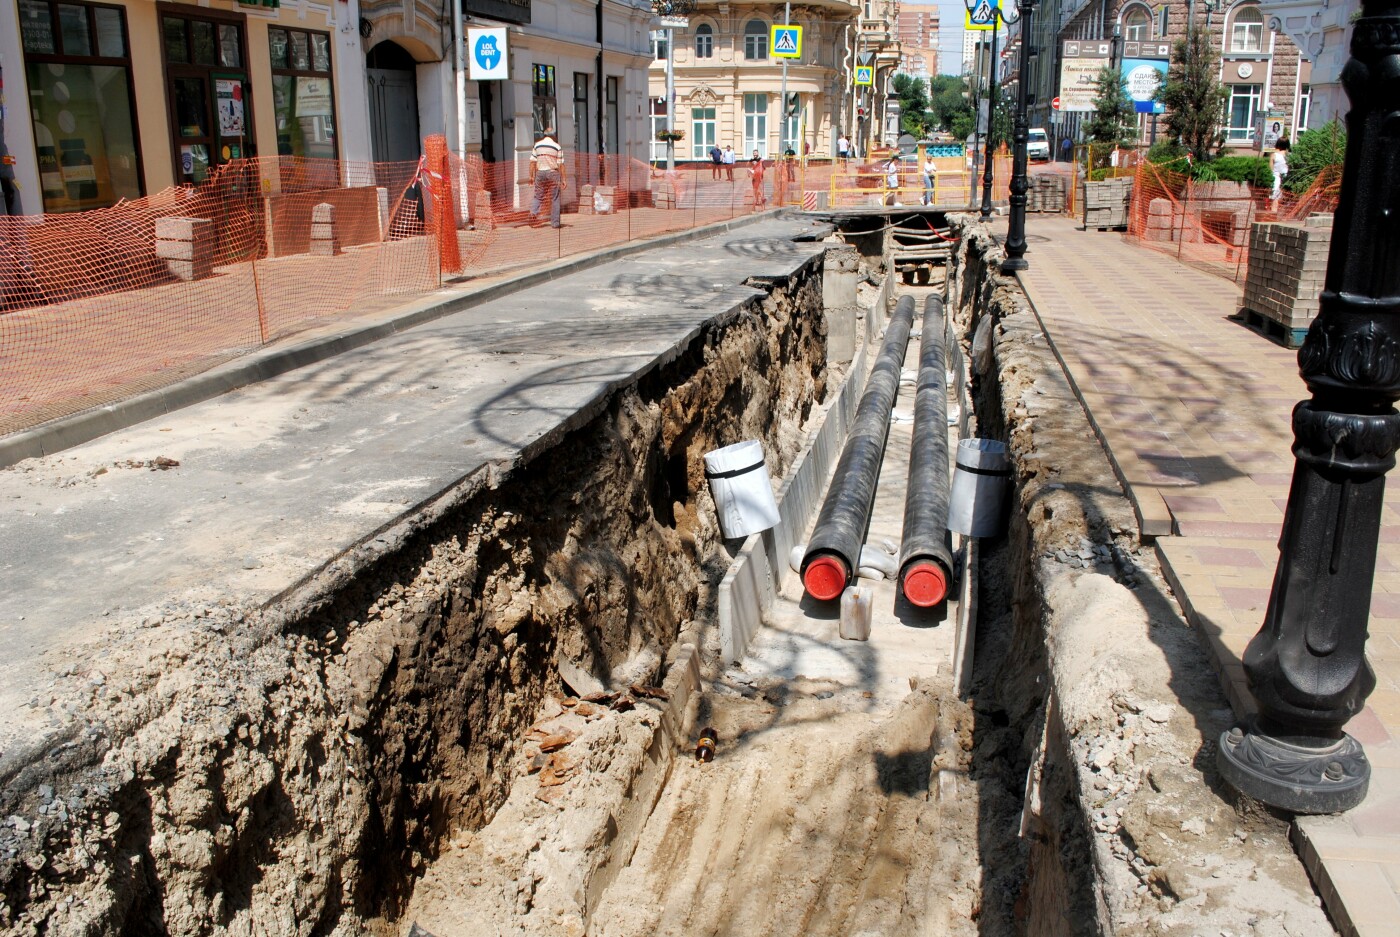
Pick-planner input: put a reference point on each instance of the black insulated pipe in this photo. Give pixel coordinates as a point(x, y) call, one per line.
point(926, 560)
point(833, 553)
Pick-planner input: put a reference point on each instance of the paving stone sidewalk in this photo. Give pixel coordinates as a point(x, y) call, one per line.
point(1195, 411)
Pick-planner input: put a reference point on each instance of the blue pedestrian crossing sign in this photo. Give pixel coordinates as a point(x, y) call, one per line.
point(982, 15)
point(786, 42)
point(865, 74)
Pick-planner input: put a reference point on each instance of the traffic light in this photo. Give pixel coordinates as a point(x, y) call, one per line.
point(794, 104)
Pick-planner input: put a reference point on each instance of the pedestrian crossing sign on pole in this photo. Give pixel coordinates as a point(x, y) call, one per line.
point(865, 74)
point(786, 42)
point(983, 15)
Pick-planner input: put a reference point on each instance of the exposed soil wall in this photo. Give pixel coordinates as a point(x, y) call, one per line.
point(1085, 658)
point(291, 770)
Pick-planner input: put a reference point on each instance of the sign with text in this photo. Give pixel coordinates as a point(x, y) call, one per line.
point(1144, 77)
point(786, 42)
point(1080, 64)
point(486, 51)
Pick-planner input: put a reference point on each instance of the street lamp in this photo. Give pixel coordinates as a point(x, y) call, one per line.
point(1307, 667)
point(1015, 245)
point(673, 13)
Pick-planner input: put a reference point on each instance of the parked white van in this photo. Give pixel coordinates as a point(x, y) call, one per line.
point(1038, 144)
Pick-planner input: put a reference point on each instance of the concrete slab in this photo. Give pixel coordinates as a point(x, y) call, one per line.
point(285, 487)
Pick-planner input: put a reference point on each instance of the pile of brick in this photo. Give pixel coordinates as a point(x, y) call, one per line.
point(1106, 203)
point(663, 194)
point(1287, 266)
point(597, 200)
point(1046, 192)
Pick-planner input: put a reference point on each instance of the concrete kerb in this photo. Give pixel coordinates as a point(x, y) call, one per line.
point(87, 425)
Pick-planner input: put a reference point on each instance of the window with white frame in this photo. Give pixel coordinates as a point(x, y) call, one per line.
point(1137, 25)
point(1300, 119)
point(702, 131)
point(1244, 108)
point(755, 40)
point(756, 124)
point(1247, 30)
point(704, 41)
point(658, 44)
point(792, 131)
point(658, 124)
point(1163, 15)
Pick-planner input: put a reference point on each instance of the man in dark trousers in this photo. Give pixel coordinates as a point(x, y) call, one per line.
point(548, 174)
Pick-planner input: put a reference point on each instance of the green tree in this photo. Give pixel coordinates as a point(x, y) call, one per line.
point(1114, 122)
point(1314, 151)
point(950, 104)
point(913, 104)
point(1194, 98)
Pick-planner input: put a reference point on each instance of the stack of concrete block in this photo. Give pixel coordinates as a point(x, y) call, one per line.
point(484, 213)
point(1161, 220)
point(324, 243)
point(1046, 192)
point(596, 199)
point(1106, 203)
point(187, 246)
point(1287, 267)
point(663, 194)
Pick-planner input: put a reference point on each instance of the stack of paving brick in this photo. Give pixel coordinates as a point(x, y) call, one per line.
point(663, 194)
point(1047, 192)
point(596, 200)
point(187, 246)
point(1287, 266)
point(324, 240)
point(1162, 220)
point(1106, 203)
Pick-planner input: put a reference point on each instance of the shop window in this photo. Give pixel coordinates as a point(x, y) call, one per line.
point(208, 88)
point(303, 93)
point(756, 40)
point(546, 103)
point(79, 72)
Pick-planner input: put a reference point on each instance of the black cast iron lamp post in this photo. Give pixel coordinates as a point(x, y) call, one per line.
point(1015, 245)
point(1307, 666)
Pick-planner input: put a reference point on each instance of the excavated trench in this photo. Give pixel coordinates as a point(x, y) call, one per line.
point(489, 729)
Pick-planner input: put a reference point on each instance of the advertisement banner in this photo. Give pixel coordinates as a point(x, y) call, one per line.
point(1081, 63)
point(228, 96)
point(486, 55)
point(1144, 76)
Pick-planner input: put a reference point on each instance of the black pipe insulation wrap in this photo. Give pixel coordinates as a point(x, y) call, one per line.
point(833, 552)
point(926, 559)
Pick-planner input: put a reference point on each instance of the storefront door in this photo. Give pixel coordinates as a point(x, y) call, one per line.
point(211, 113)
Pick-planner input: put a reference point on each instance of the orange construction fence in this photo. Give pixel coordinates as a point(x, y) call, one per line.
point(1207, 224)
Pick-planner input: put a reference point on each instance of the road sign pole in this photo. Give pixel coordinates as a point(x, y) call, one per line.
point(782, 106)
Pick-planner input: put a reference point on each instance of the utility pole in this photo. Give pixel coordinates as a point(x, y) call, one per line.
point(989, 138)
point(783, 108)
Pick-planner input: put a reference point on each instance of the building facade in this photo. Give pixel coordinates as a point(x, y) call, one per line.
point(918, 39)
point(728, 85)
point(129, 97)
point(1268, 80)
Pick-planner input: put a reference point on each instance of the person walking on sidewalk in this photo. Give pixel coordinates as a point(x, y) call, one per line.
point(730, 157)
point(843, 147)
point(548, 175)
point(1279, 165)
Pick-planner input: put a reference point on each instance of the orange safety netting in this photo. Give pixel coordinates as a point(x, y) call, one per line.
point(97, 305)
point(1207, 224)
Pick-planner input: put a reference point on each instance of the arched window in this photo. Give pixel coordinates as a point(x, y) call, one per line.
point(756, 40)
point(1247, 30)
point(704, 41)
point(1137, 25)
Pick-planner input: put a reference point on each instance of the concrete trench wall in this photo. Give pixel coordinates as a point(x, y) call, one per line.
point(292, 771)
point(1108, 702)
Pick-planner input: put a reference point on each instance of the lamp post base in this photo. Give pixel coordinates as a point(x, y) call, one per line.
point(1298, 778)
point(1012, 264)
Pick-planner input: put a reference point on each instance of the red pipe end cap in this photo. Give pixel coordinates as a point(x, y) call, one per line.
point(825, 578)
point(925, 585)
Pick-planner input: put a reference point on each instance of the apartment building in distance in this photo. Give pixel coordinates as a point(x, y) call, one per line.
point(918, 39)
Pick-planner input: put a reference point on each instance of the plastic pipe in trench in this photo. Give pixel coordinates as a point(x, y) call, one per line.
point(833, 551)
point(926, 560)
